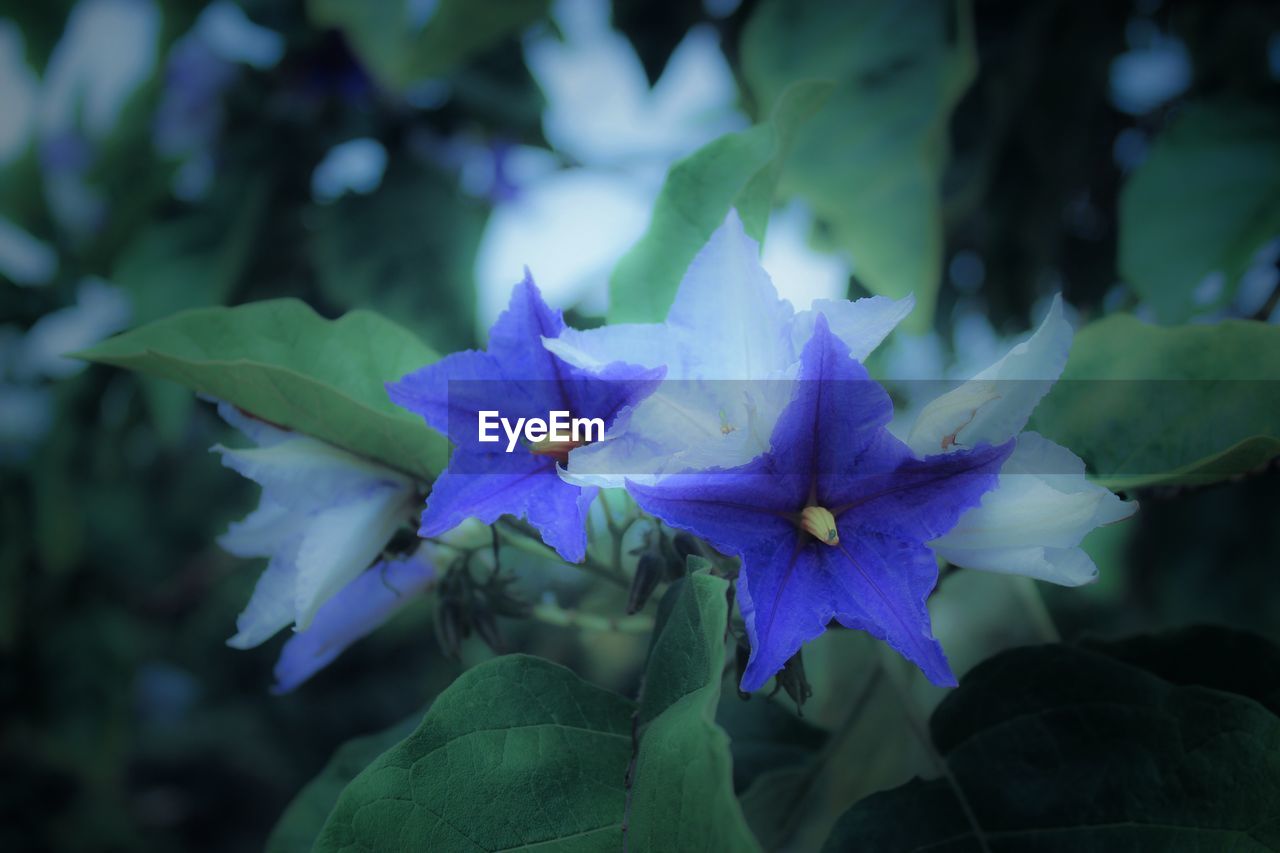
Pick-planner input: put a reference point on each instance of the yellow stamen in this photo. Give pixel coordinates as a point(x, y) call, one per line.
point(819, 523)
point(556, 449)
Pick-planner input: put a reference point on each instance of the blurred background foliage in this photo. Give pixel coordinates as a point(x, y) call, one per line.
point(409, 157)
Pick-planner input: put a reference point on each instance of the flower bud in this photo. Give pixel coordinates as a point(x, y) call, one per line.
point(450, 626)
point(487, 629)
point(742, 657)
point(649, 571)
point(792, 679)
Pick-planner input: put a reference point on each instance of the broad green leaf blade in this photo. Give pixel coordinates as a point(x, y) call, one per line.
point(681, 795)
point(300, 825)
point(1203, 202)
point(870, 162)
point(518, 752)
point(1145, 405)
point(1057, 748)
point(401, 51)
point(282, 362)
point(737, 170)
point(1225, 659)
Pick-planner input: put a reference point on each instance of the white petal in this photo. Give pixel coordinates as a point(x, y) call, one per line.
point(684, 425)
point(262, 532)
point(1033, 521)
point(342, 542)
point(645, 344)
point(996, 404)
point(1063, 566)
point(307, 475)
point(862, 324)
point(726, 322)
point(270, 609)
point(728, 314)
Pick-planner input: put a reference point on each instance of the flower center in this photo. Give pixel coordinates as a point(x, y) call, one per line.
point(558, 450)
point(725, 426)
point(819, 523)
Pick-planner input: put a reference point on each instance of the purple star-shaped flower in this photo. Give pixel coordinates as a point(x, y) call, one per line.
point(832, 522)
point(518, 378)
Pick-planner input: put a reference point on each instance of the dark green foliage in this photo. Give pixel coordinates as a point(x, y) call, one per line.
point(1059, 748)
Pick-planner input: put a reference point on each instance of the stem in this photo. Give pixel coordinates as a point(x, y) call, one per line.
point(609, 520)
point(1027, 591)
point(921, 732)
point(554, 614)
point(517, 537)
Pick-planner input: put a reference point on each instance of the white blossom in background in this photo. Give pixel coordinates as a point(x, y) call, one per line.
point(25, 260)
point(108, 49)
point(601, 111)
point(570, 226)
point(1154, 71)
point(101, 309)
point(200, 67)
point(19, 94)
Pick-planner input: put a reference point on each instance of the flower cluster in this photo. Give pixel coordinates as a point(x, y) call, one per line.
point(740, 420)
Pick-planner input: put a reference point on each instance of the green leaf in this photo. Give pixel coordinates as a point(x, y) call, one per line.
point(401, 52)
point(1058, 748)
point(870, 162)
point(737, 170)
point(521, 752)
point(1146, 405)
point(1213, 656)
point(300, 825)
point(1203, 202)
point(681, 795)
point(282, 362)
point(405, 250)
point(518, 752)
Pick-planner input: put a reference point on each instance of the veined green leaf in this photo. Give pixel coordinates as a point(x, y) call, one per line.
point(518, 752)
point(738, 170)
point(300, 825)
point(1203, 202)
point(1147, 405)
point(870, 162)
point(282, 362)
point(681, 793)
point(1059, 748)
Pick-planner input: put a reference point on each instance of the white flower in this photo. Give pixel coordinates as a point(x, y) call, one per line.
point(729, 344)
point(1032, 523)
point(572, 225)
point(325, 516)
